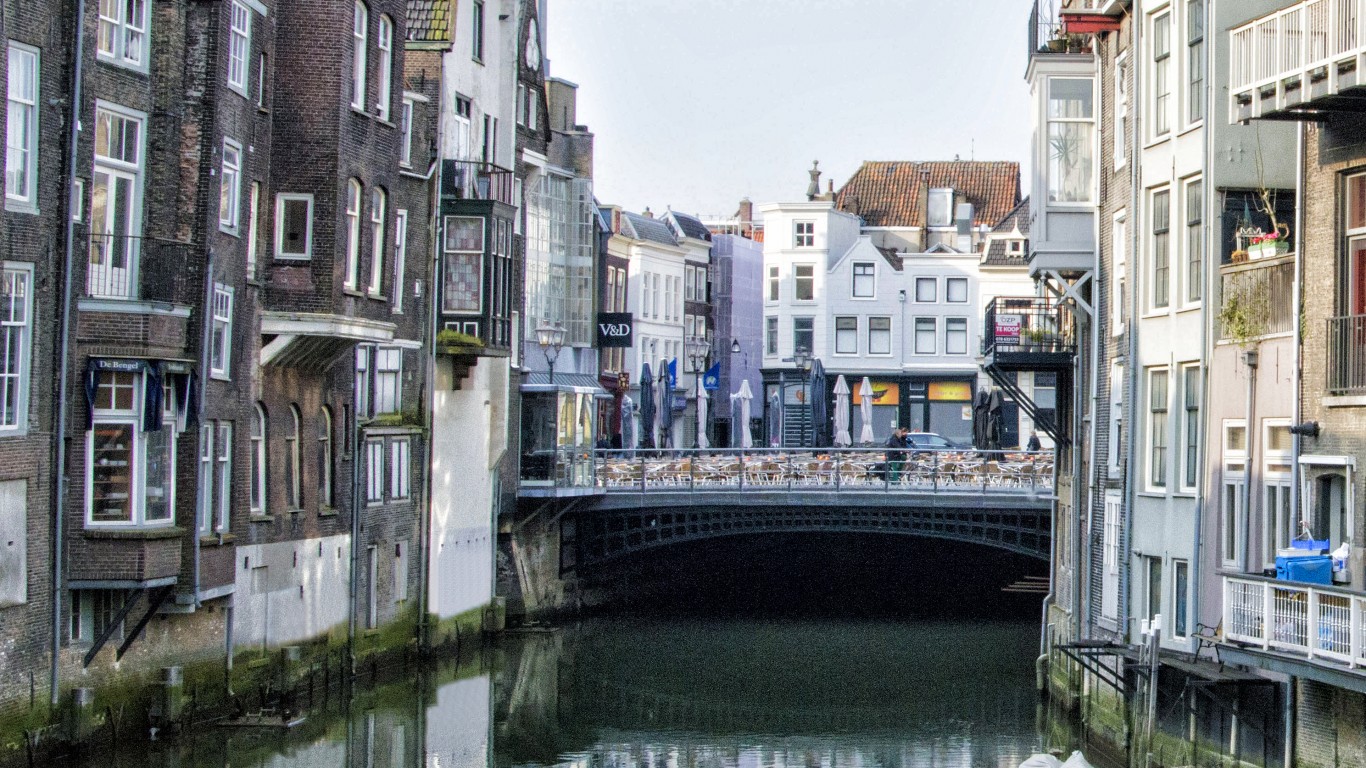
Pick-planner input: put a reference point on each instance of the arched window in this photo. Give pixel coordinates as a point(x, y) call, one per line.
point(325, 458)
point(258, 461)
point(353, 196)
point(292, 465)
point(378, 206)
point(385, 43)
point(360, 39)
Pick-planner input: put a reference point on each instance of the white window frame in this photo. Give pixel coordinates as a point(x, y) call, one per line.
point(399, 458)
point(1192, 417)
point(21, 121)
point(927, 286)
point(797, 281)
point(870, 278)
point(804, 234)
point(400, 259)
point(379, 212)
point(294, 456)
point(1234, 477)
point(360, 41)
point(770, 335)
point(1194, 241)
point(1277, 480)
point(16, 342)
point(930, 334)
point(116, 169)
point(261, 74)
point(355, 194)
point(223, 481)
point(388, 396)
point(1160, 298)
point(385, 43)
point(1119, 231)
point(230, 187)
point(239, 47)
point(950, 333)
point(1162, 73)
point(259, 495)
point(949, 283)
point(405, 153)
point(220, 365)
point(326, 458)
point(1058, 169)
point(1120, 128)
point(120, 39)
point(280, 199)
point(1179, 622)
point(1197, 59)
point(1158, 479)
point(374, 471)
point(774, 292)
point(872, 348)
point(253, 228)
point(843, 334)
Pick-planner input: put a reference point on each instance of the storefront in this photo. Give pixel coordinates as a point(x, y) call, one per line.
point(559, 427)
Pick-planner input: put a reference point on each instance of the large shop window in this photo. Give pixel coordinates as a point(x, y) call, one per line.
point(136, 409)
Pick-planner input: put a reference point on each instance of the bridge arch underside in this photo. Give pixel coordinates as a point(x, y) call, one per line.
point(606, 532)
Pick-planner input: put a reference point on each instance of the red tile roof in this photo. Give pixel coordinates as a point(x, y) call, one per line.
point(887, 194)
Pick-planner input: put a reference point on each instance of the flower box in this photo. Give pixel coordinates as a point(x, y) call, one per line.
point(1268, 249)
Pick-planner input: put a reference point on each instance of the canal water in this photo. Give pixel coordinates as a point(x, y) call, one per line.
point(719, 682)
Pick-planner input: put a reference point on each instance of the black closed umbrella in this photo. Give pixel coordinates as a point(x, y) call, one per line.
point(647, 407)
point(979, 420)
point(994, 419)
point(820, 406)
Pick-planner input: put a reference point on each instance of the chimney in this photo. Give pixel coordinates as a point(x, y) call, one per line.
point(923, 190)
point(963, 220)
point(813, 190)
point(648, 213)
point(746, 211)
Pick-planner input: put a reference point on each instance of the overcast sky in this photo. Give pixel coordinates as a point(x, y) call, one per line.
point(697, 103)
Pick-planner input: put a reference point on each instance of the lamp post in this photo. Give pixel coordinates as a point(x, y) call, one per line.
point(802, 358)
point(551, 339)
point(698, 349)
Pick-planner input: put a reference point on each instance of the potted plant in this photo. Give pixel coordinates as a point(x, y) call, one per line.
point(1269, 245)
point(1239, 256)
point(455, 342)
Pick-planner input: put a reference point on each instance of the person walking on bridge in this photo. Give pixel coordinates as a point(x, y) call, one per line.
point(896, 453)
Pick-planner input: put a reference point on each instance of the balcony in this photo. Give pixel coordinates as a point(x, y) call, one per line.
point(126, 268)
point(1347, 355)
point(1027, 333)
point(477, 180)
point(1289, 621)
point(1258, 298)
point(1303, 62)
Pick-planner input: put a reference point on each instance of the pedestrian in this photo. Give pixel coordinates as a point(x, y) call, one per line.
point(896, 454)
point(1033, 446)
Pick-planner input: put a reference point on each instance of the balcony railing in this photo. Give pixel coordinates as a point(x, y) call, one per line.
point(829, 469)
point(1258, 298)
point(1288, 54)
point(1299, 619)
point(1027, 324)
point(477, 180)
point(1347, 354)
point(124, 267)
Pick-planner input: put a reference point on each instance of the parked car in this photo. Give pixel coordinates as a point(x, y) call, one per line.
point(930, 440)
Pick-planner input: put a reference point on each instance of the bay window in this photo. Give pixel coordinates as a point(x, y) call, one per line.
point(130, 445)
point(1070, 140)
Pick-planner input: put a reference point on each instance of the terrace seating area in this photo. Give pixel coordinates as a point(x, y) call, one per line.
point(855, 469)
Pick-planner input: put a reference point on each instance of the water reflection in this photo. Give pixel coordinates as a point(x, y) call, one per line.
point(674, 694)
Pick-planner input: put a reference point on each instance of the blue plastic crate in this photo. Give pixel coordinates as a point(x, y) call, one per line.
point(1310, 570)
point(1316, 546)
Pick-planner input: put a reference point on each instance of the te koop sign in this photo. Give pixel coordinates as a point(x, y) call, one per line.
point(614, 329)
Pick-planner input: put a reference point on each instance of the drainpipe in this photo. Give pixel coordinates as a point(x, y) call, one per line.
point(428, 416)
point(1297, 446)
point(1131, 367)
point(1077, 476)
point(355, 541)
point(64, 358)
point(205, 502)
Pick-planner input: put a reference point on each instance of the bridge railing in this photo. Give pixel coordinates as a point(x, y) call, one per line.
point(834, 469)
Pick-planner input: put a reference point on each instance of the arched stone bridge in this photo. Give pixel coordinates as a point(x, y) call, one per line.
point(642, 502)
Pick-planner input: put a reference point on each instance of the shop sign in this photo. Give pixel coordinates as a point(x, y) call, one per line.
point(884, 393)
point(614, 330)
point(950, 390)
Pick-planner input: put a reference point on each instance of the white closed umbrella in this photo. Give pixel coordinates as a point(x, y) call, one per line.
point(842, 439)
point(702, 441)
point(746, 395)
point(865, 411)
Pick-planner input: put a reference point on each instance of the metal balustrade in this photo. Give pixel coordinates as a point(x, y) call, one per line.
point(1347, 354)
point(835, 469)
point(1284, 53)
point(1300, 619)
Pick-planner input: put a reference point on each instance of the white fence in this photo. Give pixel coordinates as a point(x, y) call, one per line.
point(1301, 42)
point(1309, 621)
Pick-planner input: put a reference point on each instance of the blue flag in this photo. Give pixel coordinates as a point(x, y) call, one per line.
point(673, 374)
point(712, 378)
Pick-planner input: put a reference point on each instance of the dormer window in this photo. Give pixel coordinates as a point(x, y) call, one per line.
point(1015, 247)
point(941, 207)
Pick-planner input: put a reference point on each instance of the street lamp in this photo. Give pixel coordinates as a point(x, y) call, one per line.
point(802, 358)
point(551, 338)
point(698, 349)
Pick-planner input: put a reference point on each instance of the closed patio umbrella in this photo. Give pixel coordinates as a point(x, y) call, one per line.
point(628, 427)
point(647, 407)
point(775, 420)
point(820, 406)
point(994, 419)
point(979, 420)
point(665, 407)
point(702, 441)
point(842, 438)
point(746, 395)
point(865, 412)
